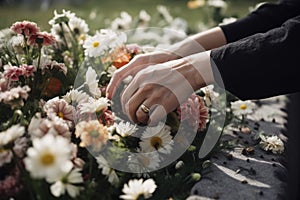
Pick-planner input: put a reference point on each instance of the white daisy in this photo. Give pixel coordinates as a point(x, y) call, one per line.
point(74, 97)
point(242, 107)
point(49, 157)
point(111, 70)
point(272, 143)
point(11, 134)
point(123, 22)
point(92, 82)
point(94, 105)
point(125, 129)
point(106, 170)
point(96, 45)
point(78, 26)
point(114, 39)
point(157, 138)
point(142, 162)
point(136, 189)
point(144, 16)
point(68, 183)
point(65, 16)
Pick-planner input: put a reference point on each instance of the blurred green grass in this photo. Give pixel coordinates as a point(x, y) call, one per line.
point(106, 10)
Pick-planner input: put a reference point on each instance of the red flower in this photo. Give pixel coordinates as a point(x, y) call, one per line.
point(26, 28)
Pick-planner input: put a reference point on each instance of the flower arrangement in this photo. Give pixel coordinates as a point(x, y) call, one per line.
point(61, 138)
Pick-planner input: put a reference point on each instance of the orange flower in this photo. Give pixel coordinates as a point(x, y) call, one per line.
point(122, 60)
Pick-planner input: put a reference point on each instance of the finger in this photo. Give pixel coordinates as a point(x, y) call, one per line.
point(159, 110)
point(115, 81)
point(130, 69)
point(133, 106)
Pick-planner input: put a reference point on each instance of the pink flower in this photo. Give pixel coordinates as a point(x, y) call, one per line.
point(195, 111)
point(26, 28)
point(92, 134)
point(15, 96)
point(41, 38)
point(3, 84)
point(53, 65)
point(27, 70)
point(12, 73)
point(60, 108)
point(5, 156)
point(40, 127)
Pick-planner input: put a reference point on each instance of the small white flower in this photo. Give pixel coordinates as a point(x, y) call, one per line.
point(125, 129)
point(94, 105)
point(106, 170)
point(67, 183)
point(49, 157)
point(122, 23)
point(96, 45)
point(272, 143)
point(142, 162)
point(75, 97)
point(217, 3)
point(65, 14)
point(157, 138)
point(138, 188)
point(242, 107)
point(78, 26)
point(92, 82)
point(11, 134)
point(163, 11)
point(144, 17)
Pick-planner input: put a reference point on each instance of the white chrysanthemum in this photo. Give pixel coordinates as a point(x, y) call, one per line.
point(49, 157)
point(11, 134)
point(106, 170)
point(142, 162)
point(157, 138)
point(122, 23)
point(144, 16)
point(74, 97)
point(272, 143)
point(136, 189)
point(57, 16)
point(114, 39)
point(94, 105)
point(96, 45)
point(78, 26)
point(92, 82)
point(125, 129)
point(242, 107)
point(68, 183)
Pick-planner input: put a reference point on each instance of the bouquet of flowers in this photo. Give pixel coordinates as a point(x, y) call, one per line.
point(60, 137)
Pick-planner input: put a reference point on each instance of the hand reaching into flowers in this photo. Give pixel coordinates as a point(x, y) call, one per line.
point(159, 89)
point(197, 43)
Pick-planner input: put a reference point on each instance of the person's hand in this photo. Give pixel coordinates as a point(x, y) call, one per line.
point(134, 66)
point(159, 89)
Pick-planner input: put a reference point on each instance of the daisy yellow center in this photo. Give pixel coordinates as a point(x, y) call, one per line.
point(82, 37)
point(96, 44)
point(156, 142)
point(243, 106)
point(2, 150)
point(60, 114)
point(94, 133)
point(47, 159)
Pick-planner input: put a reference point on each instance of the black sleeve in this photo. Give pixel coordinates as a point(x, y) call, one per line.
point(266, 17)
point(261, 65)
